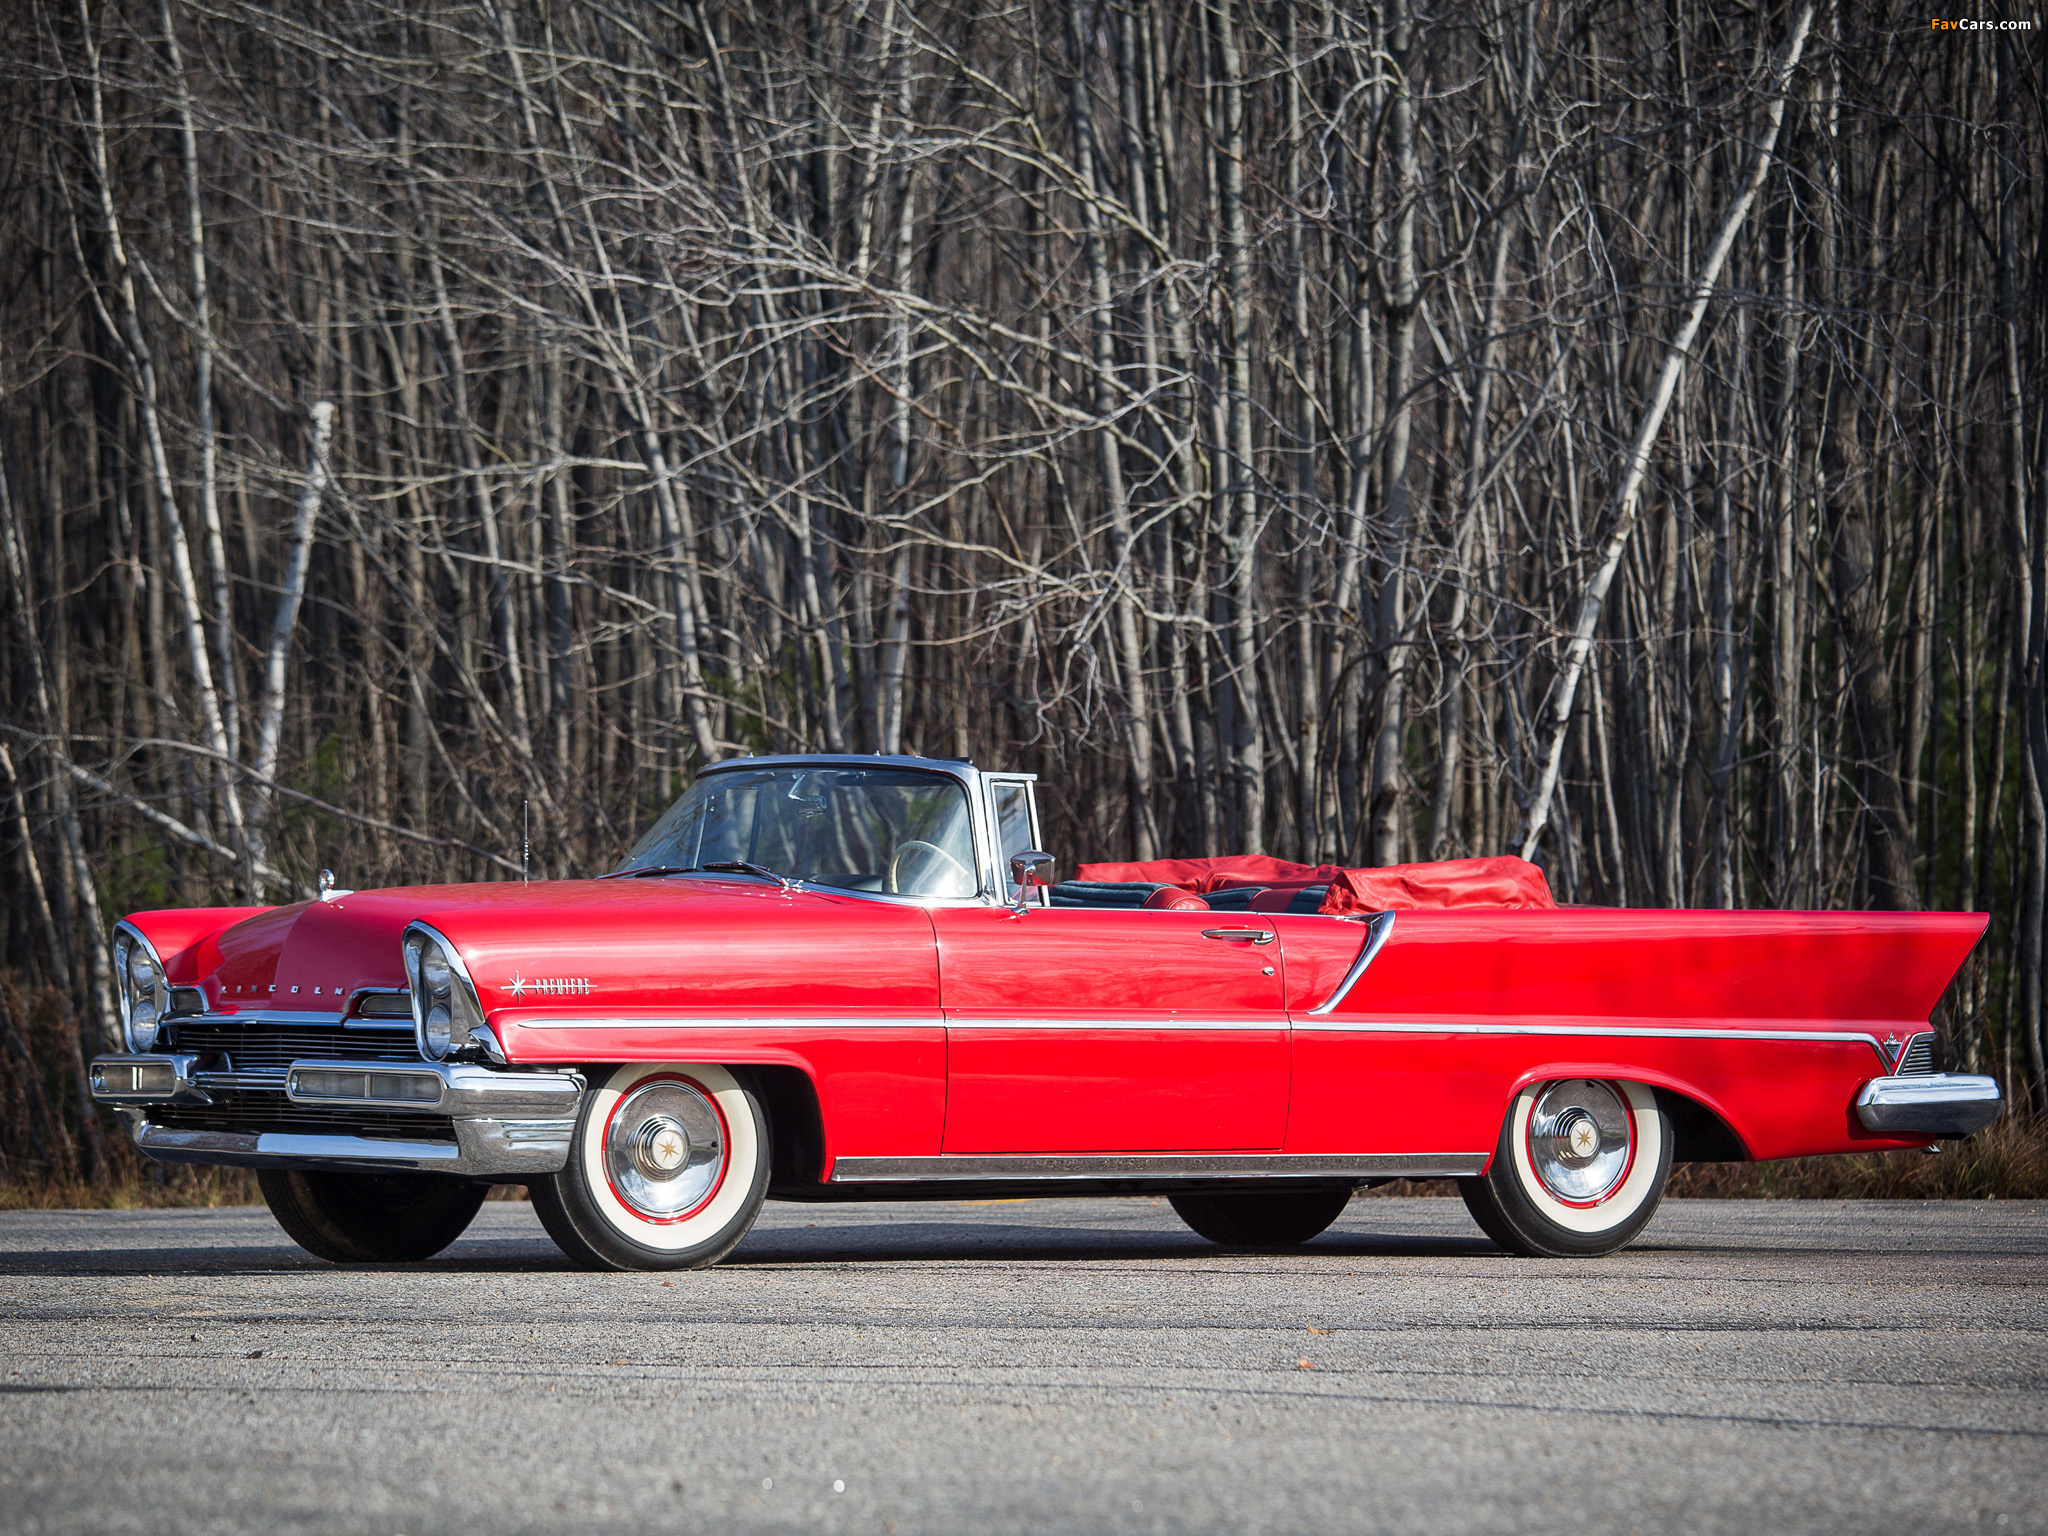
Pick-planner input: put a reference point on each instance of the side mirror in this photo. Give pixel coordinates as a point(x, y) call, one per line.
point(1027, 869)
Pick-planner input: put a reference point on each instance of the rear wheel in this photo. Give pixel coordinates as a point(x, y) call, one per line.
point(1258, 1218)
point(1578, 1172)
point(667, 1170)
point(370, 1218)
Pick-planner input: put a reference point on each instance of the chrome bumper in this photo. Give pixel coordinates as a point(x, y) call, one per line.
point(506, 1124)
point(1943, 1104)
point(482, 1149)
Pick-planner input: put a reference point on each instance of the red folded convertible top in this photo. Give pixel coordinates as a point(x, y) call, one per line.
point(1498, 882)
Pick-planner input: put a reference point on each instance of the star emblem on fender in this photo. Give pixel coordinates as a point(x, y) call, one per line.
point(516, 986)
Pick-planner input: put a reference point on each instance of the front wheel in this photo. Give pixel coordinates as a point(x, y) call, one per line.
point(667, 1170)
point(370, 1218)
point(1578, 1172)
point(1258, 1218)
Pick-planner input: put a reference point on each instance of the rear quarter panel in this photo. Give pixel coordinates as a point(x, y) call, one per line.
point(1769, 1019)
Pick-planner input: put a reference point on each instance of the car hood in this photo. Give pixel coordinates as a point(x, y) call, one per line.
point(654, 942)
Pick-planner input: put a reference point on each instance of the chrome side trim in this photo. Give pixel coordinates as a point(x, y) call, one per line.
point(1302, 1023)
point(481, 1149)
point(1929, 1104)
point(1360, 1026)
point(1376, 932)
point(907, 1170)
point(598, 1021)
point(1275, 1022)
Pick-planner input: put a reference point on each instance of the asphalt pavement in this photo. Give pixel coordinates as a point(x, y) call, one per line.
point(1084, 1365)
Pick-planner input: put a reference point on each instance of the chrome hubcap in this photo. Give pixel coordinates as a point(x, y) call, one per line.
point(661, 1147)
point(665, 1148)
point(1579, 1138)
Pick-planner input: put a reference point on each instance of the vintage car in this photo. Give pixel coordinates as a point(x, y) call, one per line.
point(851, 978)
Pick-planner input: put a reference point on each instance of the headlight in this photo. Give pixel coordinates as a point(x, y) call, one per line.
point(445, 1011)
point(145, 994)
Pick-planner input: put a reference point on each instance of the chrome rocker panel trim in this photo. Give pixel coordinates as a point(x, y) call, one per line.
point(1946, 1104)
point(482, 1149)
point(903, 1170)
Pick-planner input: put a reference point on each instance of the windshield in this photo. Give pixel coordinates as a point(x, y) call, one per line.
point(862, 829)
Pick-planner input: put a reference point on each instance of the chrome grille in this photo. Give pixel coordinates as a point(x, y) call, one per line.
point(273, 1047)
point(255, 1113)
point(1919, 1058)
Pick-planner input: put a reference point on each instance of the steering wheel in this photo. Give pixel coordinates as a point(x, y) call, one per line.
point(896, 864)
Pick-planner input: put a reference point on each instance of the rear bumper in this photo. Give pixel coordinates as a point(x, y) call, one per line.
point(504, 1125)
point(1940, 1104)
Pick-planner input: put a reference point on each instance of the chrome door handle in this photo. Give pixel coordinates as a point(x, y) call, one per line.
point(1256, 935)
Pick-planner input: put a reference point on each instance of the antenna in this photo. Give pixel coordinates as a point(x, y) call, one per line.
point(525, 839)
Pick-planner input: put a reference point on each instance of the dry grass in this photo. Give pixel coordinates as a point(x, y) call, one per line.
point(134, 1188)
point(2007, 1162)
point(183, 1188)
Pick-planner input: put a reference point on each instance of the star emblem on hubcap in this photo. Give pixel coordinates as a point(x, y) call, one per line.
point(1585, 1139)
point(516, 986)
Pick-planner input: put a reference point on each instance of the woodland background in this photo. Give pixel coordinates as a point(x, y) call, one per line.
point(1360, 432)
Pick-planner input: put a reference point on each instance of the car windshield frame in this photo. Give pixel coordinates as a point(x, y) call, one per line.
point(818, 823)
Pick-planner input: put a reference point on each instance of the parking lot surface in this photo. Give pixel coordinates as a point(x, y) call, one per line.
point(1082, 1365)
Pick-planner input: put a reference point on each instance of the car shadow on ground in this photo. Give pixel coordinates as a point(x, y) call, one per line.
point(935, 1242)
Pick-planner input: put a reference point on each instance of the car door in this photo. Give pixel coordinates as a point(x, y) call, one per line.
point(1077, 1030)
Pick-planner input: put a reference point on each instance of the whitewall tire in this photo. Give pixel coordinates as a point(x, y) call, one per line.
point(1578, 1172)
point(667, 1170)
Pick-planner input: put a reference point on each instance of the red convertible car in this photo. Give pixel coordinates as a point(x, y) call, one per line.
point(850, 978)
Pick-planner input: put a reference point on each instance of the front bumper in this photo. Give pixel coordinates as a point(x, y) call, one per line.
point(1941, 1104)
point(472, 1121)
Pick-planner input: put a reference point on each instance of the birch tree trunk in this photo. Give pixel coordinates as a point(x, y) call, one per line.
point(1636, 466)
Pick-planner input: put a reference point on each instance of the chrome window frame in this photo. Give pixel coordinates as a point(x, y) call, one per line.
point(990, 783)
